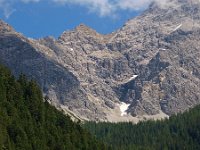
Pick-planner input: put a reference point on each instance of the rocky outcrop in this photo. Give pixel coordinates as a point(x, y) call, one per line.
point(151, 63)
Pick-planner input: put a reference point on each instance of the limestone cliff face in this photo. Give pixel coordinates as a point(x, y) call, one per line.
point(152, 63)
point(23, 55)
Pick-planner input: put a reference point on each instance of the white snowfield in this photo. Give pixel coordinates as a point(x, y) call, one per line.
point(163, 49)
point(177, 27)
point(133, 78)
point(123, 108)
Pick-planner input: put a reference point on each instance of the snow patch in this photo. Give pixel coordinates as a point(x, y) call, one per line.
point(177, 27)
point(133, 78)
point(71, 49)
point(163, 49)
point(123, 108)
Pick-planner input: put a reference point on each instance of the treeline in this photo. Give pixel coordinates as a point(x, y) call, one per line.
point(29, 123)
point(180, 132)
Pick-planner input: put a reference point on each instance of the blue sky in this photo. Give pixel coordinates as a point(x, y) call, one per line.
point(40, 18)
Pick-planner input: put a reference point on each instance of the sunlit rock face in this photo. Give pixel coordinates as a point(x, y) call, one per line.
point(149, 67)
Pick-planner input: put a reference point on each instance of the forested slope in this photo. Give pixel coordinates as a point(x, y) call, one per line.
point(180, 132)
point(29, 123)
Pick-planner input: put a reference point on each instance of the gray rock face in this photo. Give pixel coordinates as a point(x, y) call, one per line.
point(151, 63)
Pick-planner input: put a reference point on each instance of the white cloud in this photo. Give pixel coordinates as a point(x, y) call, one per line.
point(102, 7)
point(110, 7)
point(5, 6)
point(107, 7)
point(133, 4)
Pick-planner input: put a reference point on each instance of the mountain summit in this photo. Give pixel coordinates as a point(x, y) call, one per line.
point(147, 69)
point(4, 27)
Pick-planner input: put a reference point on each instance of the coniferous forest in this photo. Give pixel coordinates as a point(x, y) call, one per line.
point(29, 123)
point(180, 132)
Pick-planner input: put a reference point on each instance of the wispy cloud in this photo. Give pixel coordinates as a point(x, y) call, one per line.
point(133, 4)
point(6, 8)
point(107, 7)
point(102, 7)
point(28, 1)
point(110, 7)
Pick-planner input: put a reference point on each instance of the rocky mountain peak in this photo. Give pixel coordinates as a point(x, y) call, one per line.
point(165, 17)
point(81, 34)
point(87, 31)
point(83, 28)
point(178, 5)
point(149, 67)
point(4, 27)
point(168, 3)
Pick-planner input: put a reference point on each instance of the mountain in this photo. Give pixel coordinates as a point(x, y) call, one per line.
point(27, 122)
point(147, 69)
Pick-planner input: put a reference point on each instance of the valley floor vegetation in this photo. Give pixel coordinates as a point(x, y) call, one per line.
point(179, 132)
